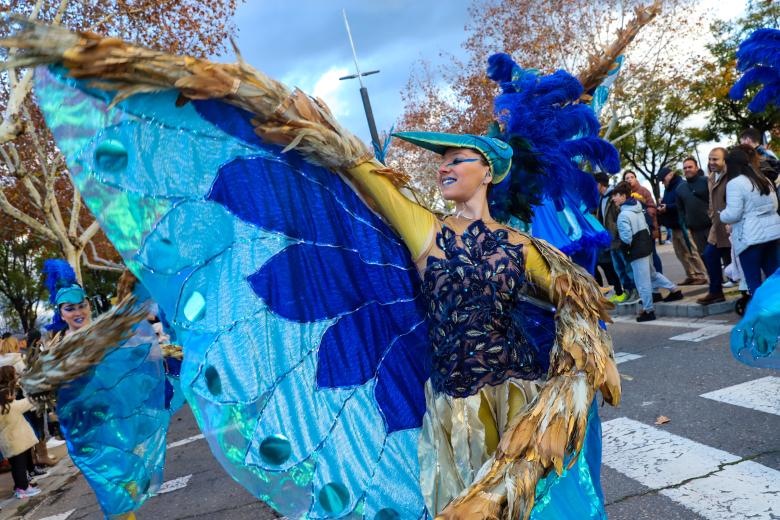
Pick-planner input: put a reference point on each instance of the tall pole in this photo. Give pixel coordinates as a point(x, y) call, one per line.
point(363, 89)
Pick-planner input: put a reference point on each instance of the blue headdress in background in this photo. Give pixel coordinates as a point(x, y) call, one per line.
point(63, 288)
point(759, 58)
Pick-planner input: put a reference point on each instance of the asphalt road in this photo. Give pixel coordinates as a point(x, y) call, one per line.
point(711, 460)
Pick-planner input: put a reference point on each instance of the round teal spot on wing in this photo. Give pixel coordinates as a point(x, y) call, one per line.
point(111, 156)
point(275, 449)
point(334, 497)
point(195, 307)
point(387, 514)
point(213, 381)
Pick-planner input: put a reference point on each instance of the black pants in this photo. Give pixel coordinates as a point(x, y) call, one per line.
point(612, 277)
point(20, 465)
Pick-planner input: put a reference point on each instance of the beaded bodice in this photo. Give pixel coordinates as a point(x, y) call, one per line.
point(474, 313)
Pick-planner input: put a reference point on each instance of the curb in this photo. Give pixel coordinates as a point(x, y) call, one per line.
point(680, 310)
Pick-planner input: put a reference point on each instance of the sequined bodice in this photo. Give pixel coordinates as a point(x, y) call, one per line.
point(472, 294)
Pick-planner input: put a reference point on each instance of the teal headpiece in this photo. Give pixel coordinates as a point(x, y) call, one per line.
point(70, 294)
point(497, 153)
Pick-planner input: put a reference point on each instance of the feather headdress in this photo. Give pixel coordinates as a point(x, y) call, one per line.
point(543, 113)
point(759, 58)
point(58, 274)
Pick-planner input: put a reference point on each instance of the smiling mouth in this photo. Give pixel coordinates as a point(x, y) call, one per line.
point(447, 181)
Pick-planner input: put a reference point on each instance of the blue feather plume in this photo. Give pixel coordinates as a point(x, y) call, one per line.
point(58, 274)
point(544, 112)
point(758, 75)
point(500, 67)
point(759, 57)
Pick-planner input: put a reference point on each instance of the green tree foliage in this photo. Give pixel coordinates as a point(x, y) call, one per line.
point(717, 74)
point(20, 281)
point(660, 138)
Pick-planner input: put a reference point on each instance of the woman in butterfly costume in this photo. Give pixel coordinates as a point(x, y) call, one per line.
point(508, 388)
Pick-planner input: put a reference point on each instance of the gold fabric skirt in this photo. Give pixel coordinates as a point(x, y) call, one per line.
point(460, 434)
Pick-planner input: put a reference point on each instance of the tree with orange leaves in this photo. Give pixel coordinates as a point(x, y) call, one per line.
point(35, 190)
point(571, 34)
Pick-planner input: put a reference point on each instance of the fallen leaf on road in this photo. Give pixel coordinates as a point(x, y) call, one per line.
point(662, 419)
point(627, 377)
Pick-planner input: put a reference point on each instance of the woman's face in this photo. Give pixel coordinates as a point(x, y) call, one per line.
point(76, 315)
point(630, 178)
point(461, 173)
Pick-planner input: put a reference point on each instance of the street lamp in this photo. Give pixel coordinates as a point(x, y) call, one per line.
point(363, 90)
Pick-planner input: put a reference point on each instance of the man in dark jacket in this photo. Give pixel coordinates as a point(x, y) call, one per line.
point(718, 244)
point(693, 203)
point(684, 248)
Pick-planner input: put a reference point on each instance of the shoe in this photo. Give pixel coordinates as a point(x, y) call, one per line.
point(711, 298)
point(657, 297)
point(728, 284)
point(687, 281)
point(700, 281)
point(674, 296)
point(646, 316)
point(633, 297)
point(618, 298)
point(53, 443)
point(26, 493)
point(37, 471)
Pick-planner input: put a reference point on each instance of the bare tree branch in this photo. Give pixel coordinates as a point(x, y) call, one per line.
point(25, 219)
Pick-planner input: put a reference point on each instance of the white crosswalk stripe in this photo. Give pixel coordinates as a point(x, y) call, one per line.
point(622, 357)
point(760, 394)
point(61, 516)
point(188, 440)
point(704, 333)
point(174, 485)
point(714, 483)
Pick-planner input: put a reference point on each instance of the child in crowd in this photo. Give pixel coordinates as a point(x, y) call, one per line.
point(638, 246)
point(16, 435)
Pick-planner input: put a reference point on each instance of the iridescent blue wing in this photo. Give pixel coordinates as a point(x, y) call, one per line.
point(114, 419)
point(305, 348)
point(756, 338)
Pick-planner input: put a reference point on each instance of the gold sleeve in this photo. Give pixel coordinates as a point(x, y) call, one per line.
point(412, 222)
point(538, 270)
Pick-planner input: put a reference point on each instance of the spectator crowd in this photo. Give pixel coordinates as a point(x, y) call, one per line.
point(724, 226)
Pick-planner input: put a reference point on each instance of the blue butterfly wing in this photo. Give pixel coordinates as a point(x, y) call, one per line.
point(297, 308)
point(115, 419)
point(756, 338)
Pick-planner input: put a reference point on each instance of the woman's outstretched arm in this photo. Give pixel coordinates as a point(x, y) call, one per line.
point(413, 223)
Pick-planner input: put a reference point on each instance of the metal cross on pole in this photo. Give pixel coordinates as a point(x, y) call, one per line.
point(363, 90)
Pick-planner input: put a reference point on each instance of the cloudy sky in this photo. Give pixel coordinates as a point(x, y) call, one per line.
point(304, 43)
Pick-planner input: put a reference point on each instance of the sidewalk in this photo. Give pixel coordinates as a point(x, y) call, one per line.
point(56, 477)
point(687, 307)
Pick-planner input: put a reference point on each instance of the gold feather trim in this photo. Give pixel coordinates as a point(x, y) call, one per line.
point(284, 117)
point(172, 351)
point(553, 426)
point(600, 65)
point(75, 354)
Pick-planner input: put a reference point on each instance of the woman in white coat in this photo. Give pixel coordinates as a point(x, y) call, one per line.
point(751, 209)
point(16, 435)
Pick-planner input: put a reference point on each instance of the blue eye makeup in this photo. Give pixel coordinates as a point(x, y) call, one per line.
point(456, 162)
